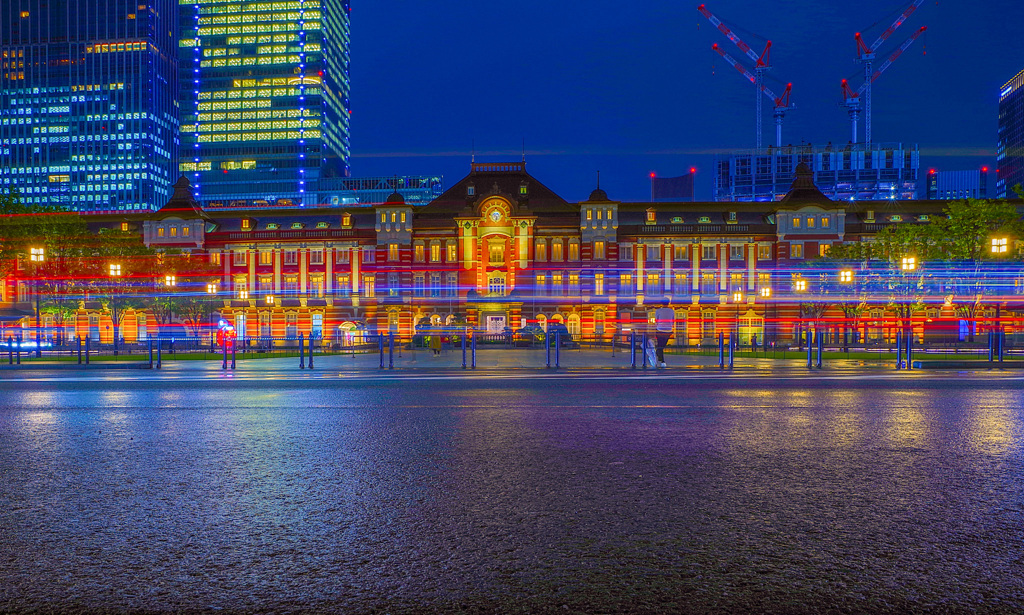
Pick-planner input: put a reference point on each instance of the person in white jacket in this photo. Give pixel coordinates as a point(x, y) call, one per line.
point(664, 323)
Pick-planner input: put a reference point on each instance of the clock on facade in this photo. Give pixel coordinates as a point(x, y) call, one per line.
point(495, 215)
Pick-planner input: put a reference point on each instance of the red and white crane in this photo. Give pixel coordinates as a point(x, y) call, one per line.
point(782, 103)
point(866, 56)
point(761, 62)
point(852, 99)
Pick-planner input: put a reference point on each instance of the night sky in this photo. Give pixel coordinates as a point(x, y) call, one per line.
point(630, 88)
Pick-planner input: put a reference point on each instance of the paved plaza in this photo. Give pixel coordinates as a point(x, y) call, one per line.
point(510, 491)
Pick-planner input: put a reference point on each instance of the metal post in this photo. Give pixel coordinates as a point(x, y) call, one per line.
point(380, 344)
point(732, 344)
point(159, 357)
point(810, 347)
point(464, 333)
point(391, 350)
point(910, 348)
point(899, 350)
point(87, 351)
point(310, 351)
point(150, 344)
point(10, 351)
point(558, 343)
point(17, 355)
point(643, 349)
point(302, 356)
point(1002, 344)
point(820, 342)
point(224, 353)
point(39, 346)
point(474, 352)
point(233, 346)
point(632, 349)
point(721, 350)
point(78, 344)
point(547, 351)
point(991, 342)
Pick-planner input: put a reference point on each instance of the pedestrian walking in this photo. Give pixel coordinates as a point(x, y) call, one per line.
point(664, 322)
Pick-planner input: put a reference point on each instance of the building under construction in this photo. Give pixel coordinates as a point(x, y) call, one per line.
point(856, 171)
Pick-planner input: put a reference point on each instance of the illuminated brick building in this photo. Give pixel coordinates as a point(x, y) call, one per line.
point(265, 98)
point(499, 249)
point(88, 111)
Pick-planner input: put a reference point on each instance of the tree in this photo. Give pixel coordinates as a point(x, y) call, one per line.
point(123, 270)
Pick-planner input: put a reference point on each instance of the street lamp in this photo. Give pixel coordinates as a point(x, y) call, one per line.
point(999, 245)
point(909, 263)
point(37, 256)
point(115, 272)
point(846, 276)
point(243, 295)
point(170, 281)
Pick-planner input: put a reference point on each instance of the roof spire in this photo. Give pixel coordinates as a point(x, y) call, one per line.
point(472, 158)
point(599, 179)
point(524, 149)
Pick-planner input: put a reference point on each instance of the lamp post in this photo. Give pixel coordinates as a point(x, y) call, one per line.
point(211, 293)
point(766, 294)
point(999, 247)
point(800, 286)
point(908, 265)
point(114, 270)
point(37, 256)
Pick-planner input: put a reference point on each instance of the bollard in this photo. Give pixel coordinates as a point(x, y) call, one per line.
point(910, 349)
point(899, 350)
point(547, 352)
point(224, 355)
point(990, 343)
point(464, 349)
point(632, 349)
point(86, 351)
point(380, 343)
point(310, 351)
point(721, 350)
point(159, 357)
point(1002, 343)
point(643, 349)
point(810, 348)
point(78, 344)
point(302, 356)
point(17, 354)
point(150, 341)
point(10, 350)
point(732, 344)
point(820, 342)
point(391, 350)
point(474, 352)
point(558, 343)
point(233, 346)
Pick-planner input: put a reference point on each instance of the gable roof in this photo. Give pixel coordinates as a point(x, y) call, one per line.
point(498, 179)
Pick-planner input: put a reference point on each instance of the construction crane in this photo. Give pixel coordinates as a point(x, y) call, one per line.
point(866, 56)
point(852, 99)
point(782, 103)
point(761, 62)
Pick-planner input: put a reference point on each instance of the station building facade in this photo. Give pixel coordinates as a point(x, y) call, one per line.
point(498, 251)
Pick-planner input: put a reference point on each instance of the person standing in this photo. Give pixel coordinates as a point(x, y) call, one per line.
point(664, 322)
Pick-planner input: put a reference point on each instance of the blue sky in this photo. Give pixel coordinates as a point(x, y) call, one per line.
point(628, 88)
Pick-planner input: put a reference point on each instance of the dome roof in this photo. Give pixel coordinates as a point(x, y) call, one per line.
point(598, 195)
point(395, 198)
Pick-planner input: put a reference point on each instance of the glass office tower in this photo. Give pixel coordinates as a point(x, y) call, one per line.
point(88, 111)
point(265, 97)
point(1010, 143)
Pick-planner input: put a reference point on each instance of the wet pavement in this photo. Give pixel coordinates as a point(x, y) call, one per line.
point(531, 492)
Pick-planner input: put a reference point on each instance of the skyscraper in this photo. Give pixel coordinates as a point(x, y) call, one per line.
point(1010, 144)
point(88, 111)
point(265, 98)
